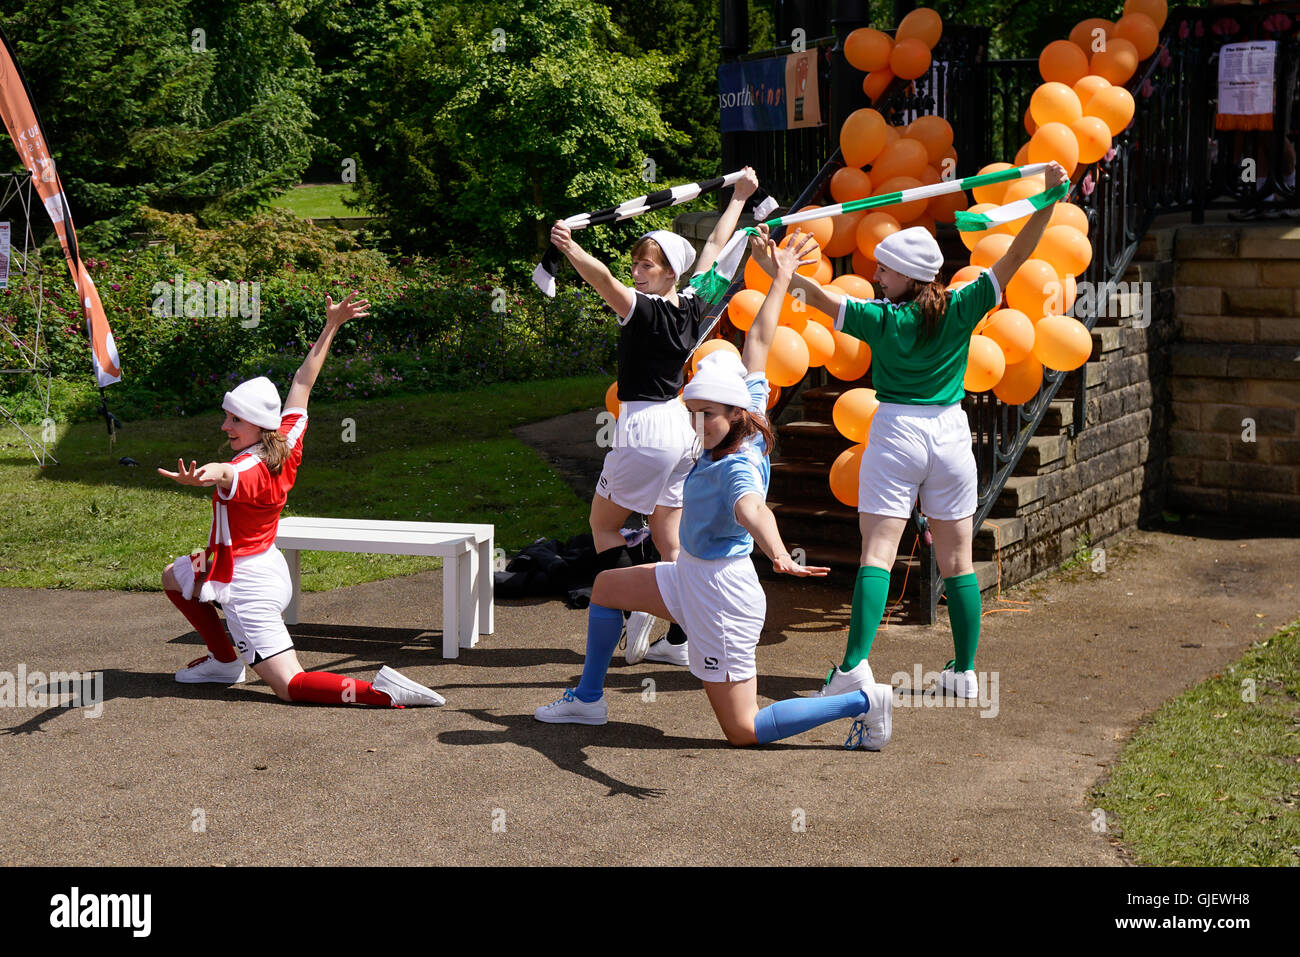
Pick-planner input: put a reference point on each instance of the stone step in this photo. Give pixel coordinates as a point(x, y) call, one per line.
point(1020, 490)
point(818, 402)
point(824, 524)
point(1058, 417)
point(804, 481)
point(817, 441)
point(997, 533)
point(1042, 450)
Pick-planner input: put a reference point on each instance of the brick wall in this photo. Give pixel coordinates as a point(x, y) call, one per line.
point(1235, 442)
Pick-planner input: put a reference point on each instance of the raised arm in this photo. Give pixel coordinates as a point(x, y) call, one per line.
point(616, 295)
point(756, 518)
point(815, 295)
point(758, 341)
point(1023, 245)
point(726, 224)
point(336, 313)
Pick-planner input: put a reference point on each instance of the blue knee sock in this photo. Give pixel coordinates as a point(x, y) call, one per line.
point(604, 626)
point(795, 715)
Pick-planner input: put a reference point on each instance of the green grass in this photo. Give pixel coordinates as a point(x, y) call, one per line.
point(1214, 778)
point(316, 202)
point(91, 523)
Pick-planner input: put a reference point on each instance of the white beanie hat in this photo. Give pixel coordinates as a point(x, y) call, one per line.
point(678, 251)
point(255, 401)
point(912, 252)
point(720, 377)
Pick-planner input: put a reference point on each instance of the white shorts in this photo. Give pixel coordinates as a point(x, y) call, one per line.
point(253, 601)
point(918, 449)
point(721, 606)
point(654, 450)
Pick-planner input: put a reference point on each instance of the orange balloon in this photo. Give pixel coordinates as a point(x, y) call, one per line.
point(862, 137)
point(794, 314)
point(853, 412)
point(849, 184)
point(1012, 331)
point(1020, 189)
point(990, 249)
point(845, 237)
point(934, 133)
point(852, 358)
point(903, 212)
point(868, 49)
point(1062, 343)
point(1055, 103)
point(1032, 286)
point(1067, 214)
point(873, 228)
point(822, 274)
point(854, 286)
point(821, 229)
point(1069, 288)
point(876, 82)
point(1022, 156)
point(863, 265)
point(1139, 30)
point(743, 307)
point(905, 157)
point(992, 193)
point(845, 473)
point(1062, 62)
point(1085, 37)
point(984, 365)
point(709, 347)
point(969, 239)
point(1066, 249)
point(964, 275)
point(1157, 10)
point(820, 342)
point(755, 277)
point(1093, 137)
point(893, 134)
point(1055, 141)
point(921, 24)
point(787, 362)
point(611, 399)
point(1030, 126)
point(910, 59)
point(773, 396)
point(1114, 106)
point(1020, 382)
point(942, 208)
point(1086, 88)
point(1117, 63)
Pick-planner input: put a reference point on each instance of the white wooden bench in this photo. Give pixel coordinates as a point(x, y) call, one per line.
point(466, 551)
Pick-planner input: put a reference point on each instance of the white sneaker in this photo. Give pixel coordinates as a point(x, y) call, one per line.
point(639, 626)
point(959, 684)
point(209, 669)
point(669, 654)
point(873, 728)
point(857, 678)
point(404, 691)
point(568, 709)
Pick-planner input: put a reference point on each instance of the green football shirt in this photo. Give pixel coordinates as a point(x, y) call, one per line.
point(906, 371)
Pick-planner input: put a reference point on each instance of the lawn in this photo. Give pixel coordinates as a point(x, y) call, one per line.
point(1213, 778)
point(91, 523)
point(320, 201)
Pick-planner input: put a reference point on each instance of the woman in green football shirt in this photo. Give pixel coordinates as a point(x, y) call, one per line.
point(919, 335)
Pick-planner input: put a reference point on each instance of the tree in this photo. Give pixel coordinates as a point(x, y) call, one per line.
point(500, 117)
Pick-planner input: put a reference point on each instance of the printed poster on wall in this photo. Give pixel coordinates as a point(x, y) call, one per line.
point(777, 93)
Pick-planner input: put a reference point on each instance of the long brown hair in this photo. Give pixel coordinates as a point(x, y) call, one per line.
point(272, 448)
point(932, 298)
point(742, 427)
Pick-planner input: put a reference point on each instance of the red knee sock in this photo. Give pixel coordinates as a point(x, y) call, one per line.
point(207, 623)
point(324, 687)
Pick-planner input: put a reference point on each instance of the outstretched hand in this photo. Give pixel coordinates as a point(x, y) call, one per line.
point(785, 565)
point(795, 253)
point(197, 475)
point(337, 313)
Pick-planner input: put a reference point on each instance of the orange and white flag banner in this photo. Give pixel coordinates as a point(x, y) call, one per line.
point(24, 127)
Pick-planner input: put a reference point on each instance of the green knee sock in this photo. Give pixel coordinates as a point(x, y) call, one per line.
point(963, 594)
point(870, 594)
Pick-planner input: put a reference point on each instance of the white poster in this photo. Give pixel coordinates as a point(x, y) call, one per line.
point(4, 255)
point(1246, 78)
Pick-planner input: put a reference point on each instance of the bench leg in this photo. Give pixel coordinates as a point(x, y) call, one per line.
point(291, 610)
point(468, 599)
point(485, 581)
point(451, 606)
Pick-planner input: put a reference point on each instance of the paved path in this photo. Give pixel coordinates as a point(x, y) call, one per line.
point(479, 782)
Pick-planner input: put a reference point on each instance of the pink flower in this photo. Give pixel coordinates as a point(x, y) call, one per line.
point(1165, 58)
point(1086, 185)
point(1184, 31)
point(1110, 155)
point(1147, 89)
